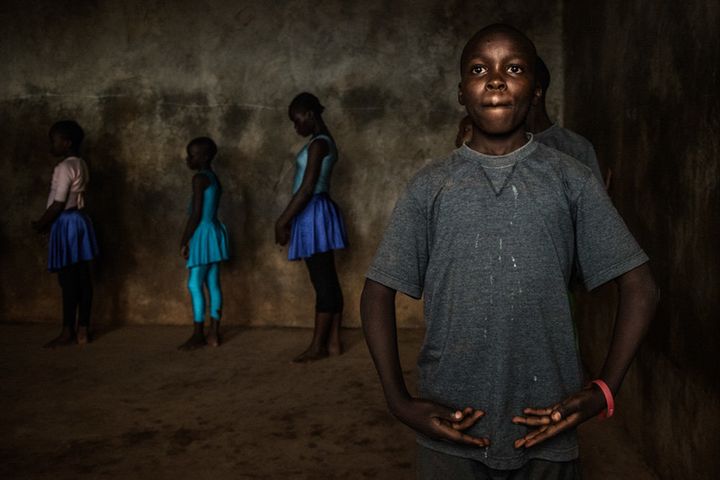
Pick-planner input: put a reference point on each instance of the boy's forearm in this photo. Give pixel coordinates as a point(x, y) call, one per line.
point(638, 298)
point(377, 310)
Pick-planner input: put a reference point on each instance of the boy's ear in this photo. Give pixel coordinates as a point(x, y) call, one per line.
point(537, 95)
point(461, 100)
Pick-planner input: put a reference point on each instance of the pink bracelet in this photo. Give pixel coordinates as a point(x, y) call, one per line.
point(609, 400)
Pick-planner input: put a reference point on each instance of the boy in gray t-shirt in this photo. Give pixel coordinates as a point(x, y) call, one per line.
point(553, 135)
point(489, 236)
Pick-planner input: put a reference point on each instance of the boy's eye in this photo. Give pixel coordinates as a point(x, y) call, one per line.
point(478, 69)
point(515, 69)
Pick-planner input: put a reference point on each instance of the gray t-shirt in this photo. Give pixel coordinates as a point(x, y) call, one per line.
point(490, 241)
point(572, 144)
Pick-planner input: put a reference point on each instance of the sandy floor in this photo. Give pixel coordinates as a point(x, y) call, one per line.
point(130, 406)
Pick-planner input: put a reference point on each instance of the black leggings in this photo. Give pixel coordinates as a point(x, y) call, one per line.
point(329, 297)
point(77, 293)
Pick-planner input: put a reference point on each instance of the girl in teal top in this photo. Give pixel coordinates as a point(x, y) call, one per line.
point(204, 243)
point(313, 225)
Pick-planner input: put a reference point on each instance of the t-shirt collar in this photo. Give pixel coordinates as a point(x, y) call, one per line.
point(499, 160)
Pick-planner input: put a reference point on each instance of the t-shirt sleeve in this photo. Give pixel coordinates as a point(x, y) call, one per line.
point(401, 259)
point(605, 248)
point(62, 180)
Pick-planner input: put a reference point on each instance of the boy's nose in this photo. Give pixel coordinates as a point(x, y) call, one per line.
point(495, 83)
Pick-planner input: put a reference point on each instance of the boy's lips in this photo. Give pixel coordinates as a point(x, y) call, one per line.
point(496, 105)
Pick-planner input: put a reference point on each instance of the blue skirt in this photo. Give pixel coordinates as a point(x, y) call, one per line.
point(209, 244)
point(72, 240)
point(318, 228)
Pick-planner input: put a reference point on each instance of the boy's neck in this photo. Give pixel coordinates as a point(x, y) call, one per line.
point(497, 144)
point(538, 120)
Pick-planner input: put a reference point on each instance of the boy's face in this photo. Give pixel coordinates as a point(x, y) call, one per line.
point(497, 84)
point(60, 146)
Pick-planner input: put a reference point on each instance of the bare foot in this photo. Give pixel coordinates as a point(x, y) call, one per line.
point(214, 339)
point(82, 336)
point(197, 340)
point(311, 355)
point(334, 344)
point(66, 337)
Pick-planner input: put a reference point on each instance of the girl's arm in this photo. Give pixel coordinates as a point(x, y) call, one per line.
point(61, 179)
point(199, 184)
point(50, 215)
point(316, 152)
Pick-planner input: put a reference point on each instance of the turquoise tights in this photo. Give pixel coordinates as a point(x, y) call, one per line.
point(208, 275)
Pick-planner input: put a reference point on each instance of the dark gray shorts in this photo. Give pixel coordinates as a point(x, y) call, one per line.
point(433, 465)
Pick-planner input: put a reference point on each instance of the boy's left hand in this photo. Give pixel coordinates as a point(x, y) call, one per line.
point(570, 413)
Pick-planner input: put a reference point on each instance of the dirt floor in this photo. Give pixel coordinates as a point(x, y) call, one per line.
point(130, 406)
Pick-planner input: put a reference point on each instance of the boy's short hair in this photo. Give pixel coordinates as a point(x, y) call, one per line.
point(497, 28)
point(542, 74)
point(305, 102)
point(207, 144)
point(70, 130)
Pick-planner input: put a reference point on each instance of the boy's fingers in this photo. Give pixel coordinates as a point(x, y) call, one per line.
point(469, 420)
point(539, 411)
point(550, 431)
point(449, 433)
point(564, 410)
point(525, 441)
point(532, 421)
point(449, 415)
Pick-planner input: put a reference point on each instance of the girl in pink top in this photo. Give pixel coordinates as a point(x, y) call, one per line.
point(72, 238)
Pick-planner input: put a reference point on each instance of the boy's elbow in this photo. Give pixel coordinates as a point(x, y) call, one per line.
point(641, 282)
point(374, 294)
point(652, 291)
point(365, 302)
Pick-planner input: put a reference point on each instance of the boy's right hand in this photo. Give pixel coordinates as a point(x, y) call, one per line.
point(439, 422)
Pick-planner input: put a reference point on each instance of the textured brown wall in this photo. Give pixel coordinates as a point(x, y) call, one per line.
point(642, 84)
point(144, 77)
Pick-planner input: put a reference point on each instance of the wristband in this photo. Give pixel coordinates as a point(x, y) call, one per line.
point(609, 400)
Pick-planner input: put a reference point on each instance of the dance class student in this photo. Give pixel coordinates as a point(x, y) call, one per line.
point(72, 244)
point(313, 225)
point(553, 135)
point(204, 244)
point(489, 236)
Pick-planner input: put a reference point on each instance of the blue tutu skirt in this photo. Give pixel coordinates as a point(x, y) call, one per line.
point(318, 228)
point(209, 244)
point(72, 240)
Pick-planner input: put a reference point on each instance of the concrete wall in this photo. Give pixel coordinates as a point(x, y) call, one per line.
point(642, 84)
point(144, 77)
